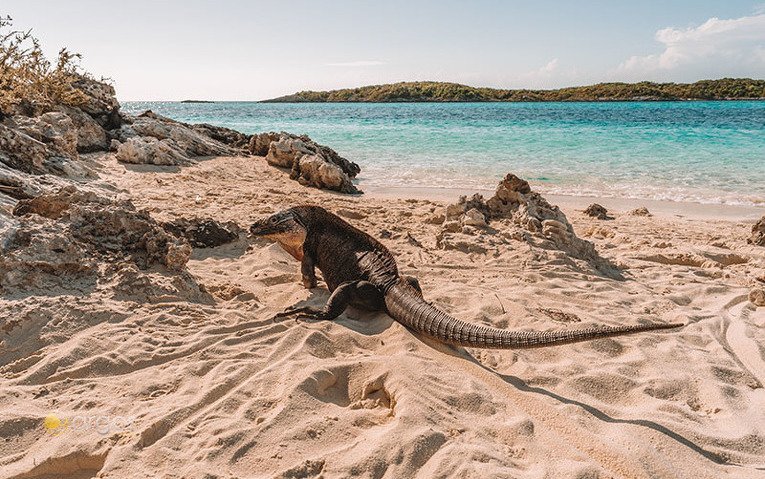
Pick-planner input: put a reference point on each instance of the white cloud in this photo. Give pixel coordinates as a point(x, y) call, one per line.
point(729, 47)
point(358, 63)
point(551, 66)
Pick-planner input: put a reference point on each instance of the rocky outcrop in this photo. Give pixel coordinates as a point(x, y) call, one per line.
point(204, 233)
point(515, 212)
point(151, 151)
point(91, 136)
point(259, 143)
point(597, 211)
point(758, 233)
point(310, 163)
point(159, 140)
point(100, 103)
point(227, 136)
point(60, 239)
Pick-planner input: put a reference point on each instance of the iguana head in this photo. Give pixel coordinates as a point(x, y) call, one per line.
point(284, 227)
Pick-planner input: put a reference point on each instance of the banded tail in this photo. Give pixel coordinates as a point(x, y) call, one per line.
point(406, 306)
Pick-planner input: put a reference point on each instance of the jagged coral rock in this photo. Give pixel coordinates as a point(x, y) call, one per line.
point(90, 135)
point(54, 205)
point(100, 102)
point(158, 140)
point(641, 211)
point(261, 142)
point(758, 233)
point(311, 164)
point(316, 171)
point(597, 211)
point(203, 233)
point(473, 217)
point(227, 136)
point(55, 129)
point(140, 150)
point(286, 151)
point(57, 238)
point(515, 201)
point(21, 152)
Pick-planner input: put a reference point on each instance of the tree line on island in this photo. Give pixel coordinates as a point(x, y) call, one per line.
point(722, 89)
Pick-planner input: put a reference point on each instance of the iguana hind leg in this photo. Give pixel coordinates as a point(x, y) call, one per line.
point(359, 293)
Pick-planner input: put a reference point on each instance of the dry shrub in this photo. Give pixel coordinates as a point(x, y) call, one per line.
point(29, 83)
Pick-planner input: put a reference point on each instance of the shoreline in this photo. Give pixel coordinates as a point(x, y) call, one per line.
point(568, 203)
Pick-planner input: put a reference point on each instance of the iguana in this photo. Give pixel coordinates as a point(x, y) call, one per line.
point(360, 271)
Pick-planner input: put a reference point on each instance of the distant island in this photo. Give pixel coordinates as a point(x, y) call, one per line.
point(723, 89)
point(197, 101)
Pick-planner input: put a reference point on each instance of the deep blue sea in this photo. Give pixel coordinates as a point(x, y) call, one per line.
point(709, 152)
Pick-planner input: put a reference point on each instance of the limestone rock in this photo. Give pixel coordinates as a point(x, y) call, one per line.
point(227, 136)
point(90, 135)
point(179, 140)
point(140, 150)
point(641, 211)
point(101, 102)
point(260, 143)
point(54, 129)
point(203, 233)
point(311, 164)
point(286, 151)
point(316, 171)
point(54, 205)
point(514, 204)
point(21, 152)
point(58, 240)
point(758, 233)
point(597, 211)
point(473, 217)
point(757, 296)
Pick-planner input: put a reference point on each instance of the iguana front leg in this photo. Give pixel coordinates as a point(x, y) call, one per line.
point(308, 270)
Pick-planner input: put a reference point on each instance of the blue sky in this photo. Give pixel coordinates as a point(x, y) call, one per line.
point(250, 50)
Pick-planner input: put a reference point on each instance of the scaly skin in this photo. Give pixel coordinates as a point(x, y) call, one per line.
point(359, 270)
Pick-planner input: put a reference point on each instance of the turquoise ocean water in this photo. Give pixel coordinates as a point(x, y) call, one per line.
point(708, 152)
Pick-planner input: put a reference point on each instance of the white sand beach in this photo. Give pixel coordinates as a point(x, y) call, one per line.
point(203, 383)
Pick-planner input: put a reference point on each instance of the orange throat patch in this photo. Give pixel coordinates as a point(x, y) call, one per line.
point(292, 243)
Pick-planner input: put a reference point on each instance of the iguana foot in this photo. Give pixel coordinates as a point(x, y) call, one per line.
point(309, 283)
point(305, 313)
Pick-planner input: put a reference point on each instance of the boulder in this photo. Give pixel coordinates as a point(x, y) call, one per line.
point(758, 233)
point(473, 217)
point(316, 171)
point(311, 164)
point(60, 239)
point(21, 152)
point(53, 205)
point(286, 152)
point(597, 211)
point(260, 142)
